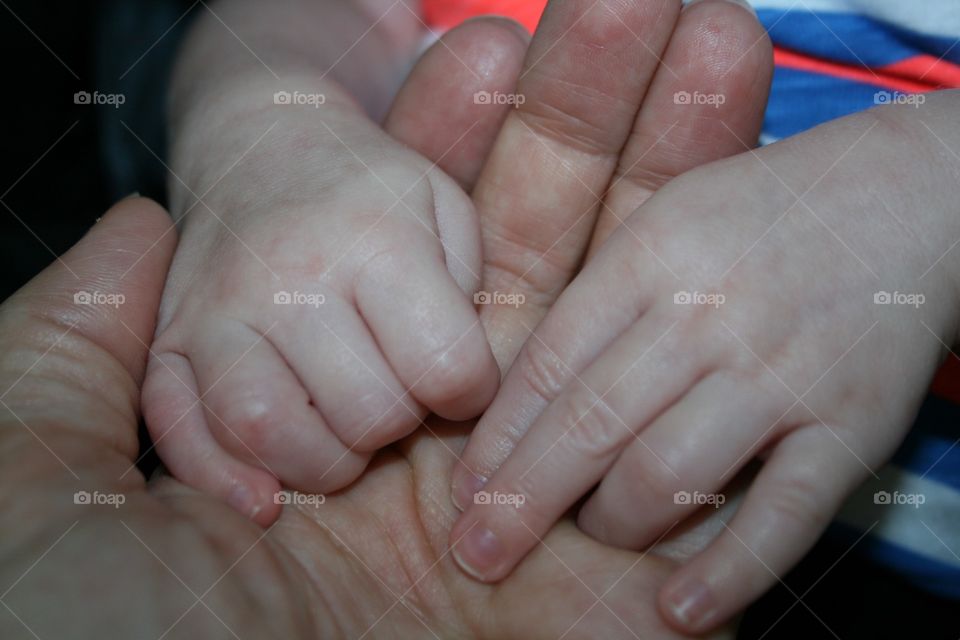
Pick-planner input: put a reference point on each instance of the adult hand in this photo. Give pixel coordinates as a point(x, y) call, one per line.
point(90, 548)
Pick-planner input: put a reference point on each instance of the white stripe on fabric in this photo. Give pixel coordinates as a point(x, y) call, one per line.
point(915, 513)
point(934, 17)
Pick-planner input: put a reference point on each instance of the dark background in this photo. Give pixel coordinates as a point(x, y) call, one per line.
point(64, 164)
point(64, 192)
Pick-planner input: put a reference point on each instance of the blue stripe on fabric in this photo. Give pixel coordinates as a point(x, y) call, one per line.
point(851, 38)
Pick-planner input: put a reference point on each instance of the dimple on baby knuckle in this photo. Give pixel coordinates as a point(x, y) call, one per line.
point(251, 423)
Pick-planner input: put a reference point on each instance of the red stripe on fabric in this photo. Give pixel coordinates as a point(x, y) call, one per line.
point(927, 69)
point(876, 77)
point(446, 14)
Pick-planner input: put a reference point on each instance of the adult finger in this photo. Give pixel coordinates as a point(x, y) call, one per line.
point(585, 75)
point(442, 110)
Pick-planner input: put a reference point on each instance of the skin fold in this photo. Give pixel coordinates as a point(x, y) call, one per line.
point(170, 560)
point(71, 377)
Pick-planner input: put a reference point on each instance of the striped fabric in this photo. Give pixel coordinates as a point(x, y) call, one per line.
point(834, 58)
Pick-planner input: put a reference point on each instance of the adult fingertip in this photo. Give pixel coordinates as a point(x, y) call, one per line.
point(743, 4)
point(508, 25)
point(437, 111)
point(140, 206)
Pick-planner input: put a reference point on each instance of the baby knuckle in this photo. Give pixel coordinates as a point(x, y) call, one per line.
point(372, 420)
point(250, 424)
point(385, 426)
point(384, 257)
point(589, 427)
point(393, 242)
point(448, 372)
point(798, 504)
point(341, 472)
point(541, 370)
point(535, 514)
point(651, 474)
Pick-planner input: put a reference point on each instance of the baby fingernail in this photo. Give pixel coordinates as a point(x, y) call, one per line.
point(241, 499)
point(465, 486)
point(691, 604)
point(477, 552)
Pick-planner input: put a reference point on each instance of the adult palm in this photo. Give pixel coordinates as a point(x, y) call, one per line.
point(159, 560)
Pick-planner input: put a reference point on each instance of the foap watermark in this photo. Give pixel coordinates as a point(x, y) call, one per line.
point(499, 298)
point(712, 99)
point(698, 498)
point(91, 298)
point(699, 297)
point(515, 500)
point(97, 498)
point(299, 298)
point(899, 298)
point(115, 100)
point(296, 498)
point(315, 100)
point(897, 97)
point(912, 499)
point(498, 97)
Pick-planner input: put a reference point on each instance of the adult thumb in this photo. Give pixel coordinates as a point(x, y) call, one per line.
point(74, 340)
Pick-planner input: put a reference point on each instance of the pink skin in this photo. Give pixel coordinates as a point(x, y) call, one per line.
point(243, 395)
point(623, 389)
point(716, 47)
point(72, 376)
point(68, 423)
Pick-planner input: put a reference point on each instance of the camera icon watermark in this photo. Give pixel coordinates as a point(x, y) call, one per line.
point(698, 498)
point(114, 500)
point(699, 297)
point(115, 100)
point(912, 499)
point(315, 100)
point(516, 500)
point(499, 298)
point(500, 98)
point(897, 97)
point(299, 298)
point(299, 499)
point(91, 298)
point(697, 98)
point(899, 298)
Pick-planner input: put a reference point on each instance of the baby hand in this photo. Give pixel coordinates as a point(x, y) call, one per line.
point(319, 304)
point(790, 304)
